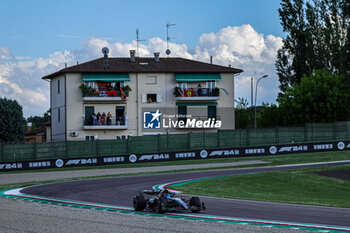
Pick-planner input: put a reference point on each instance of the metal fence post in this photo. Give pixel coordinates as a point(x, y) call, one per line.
point(130, 142)
point(13, 151)
point(247, 137)
point(305, 133)
point(189, 135)
point(204, 139)
point(347, 130)
point(158, 142)
point(334, 131)
point(167, 140)
point(2, 152)
point(66, 149)
point(218, 138)
point(276, 135)
point(53, 149)
point(35, 151)
point(240, 137)
point(92, 147)
point(97, 147)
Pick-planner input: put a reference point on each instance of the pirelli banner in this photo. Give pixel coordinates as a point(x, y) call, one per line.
point(178, 155)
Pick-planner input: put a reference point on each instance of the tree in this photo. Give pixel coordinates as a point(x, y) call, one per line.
point(11, 121)
point(269, 116)
point(318, 38)
point(291, 62)
point(37, 121)
point(243, 114)
point(320, 97)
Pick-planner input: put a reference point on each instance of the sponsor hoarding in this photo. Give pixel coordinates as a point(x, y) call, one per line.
point(176, 155)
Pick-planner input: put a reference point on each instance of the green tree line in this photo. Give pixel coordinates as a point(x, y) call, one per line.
point(313, 66)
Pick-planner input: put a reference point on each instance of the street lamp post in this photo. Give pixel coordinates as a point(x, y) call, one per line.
point(256, 93)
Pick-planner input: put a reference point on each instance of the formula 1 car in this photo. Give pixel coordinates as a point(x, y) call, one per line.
point(164, 200)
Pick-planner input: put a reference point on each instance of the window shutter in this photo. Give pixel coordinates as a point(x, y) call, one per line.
point(159, 98)
point(144, 98)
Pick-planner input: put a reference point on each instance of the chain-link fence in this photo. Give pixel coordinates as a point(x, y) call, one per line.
point(177, 142)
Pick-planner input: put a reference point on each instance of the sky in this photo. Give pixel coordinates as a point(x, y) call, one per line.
point(38, 37)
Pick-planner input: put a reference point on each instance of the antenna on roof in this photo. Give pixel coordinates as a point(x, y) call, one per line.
point(168, 38)
point(105, 52)
point(137, 41)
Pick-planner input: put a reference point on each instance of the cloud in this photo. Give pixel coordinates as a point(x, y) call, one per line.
point(241, 47)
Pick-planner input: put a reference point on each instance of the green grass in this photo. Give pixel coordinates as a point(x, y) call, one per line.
point(300, 186)
point(272, 159)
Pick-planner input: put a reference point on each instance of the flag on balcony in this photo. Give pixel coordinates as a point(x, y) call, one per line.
point(122, 94)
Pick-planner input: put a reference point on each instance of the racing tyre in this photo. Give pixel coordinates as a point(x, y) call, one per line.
point(195, 204)
point(160, 205)
point(139, 203)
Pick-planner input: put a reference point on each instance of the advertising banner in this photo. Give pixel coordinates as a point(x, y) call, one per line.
point(177, 155)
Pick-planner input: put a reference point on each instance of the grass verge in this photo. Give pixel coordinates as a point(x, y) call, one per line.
point(300, 186)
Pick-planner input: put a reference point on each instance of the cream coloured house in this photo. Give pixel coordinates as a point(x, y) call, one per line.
point(126, 89)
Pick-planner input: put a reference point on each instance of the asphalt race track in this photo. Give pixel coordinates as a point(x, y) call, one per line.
point(120, 191)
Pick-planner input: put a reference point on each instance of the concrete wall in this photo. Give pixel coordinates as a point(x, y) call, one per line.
point(58, 108)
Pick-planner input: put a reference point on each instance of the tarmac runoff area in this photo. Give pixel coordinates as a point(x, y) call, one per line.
point(24, 216)
point(13, 178)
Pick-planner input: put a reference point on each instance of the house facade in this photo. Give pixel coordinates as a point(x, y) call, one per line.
point(109, 98)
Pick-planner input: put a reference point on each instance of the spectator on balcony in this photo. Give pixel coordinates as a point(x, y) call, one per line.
point(109, 121)
point(98, 118)
point(199, 91)
point(103, 118)
point(94, 119)
point(109, 88)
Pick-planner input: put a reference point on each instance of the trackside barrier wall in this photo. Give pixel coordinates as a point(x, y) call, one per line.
point(320, 132)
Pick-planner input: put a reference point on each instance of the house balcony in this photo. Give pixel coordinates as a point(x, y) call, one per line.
point(197, 94)
point(104, 93)
point(108, 96)
point(114, 124)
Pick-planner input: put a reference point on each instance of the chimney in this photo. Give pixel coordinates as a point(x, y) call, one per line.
point(211, 59)
point(156, 57)
point(29, 127)
point(229, 66)
point(132, 55)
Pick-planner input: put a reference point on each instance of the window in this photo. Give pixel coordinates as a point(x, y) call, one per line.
point(90, 137)
point(182, 112)
point(151, 80)
point(211, 84)
point(211, 112)
point(59, 115)
point(58, 86)
point(90, 84)
point(89, 111)
point(120, 115)
point(151, 98)
point(182, 85)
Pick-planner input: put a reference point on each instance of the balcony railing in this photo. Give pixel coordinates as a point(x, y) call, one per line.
point(197, 93)
point(89, 94)
point(113, 123)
